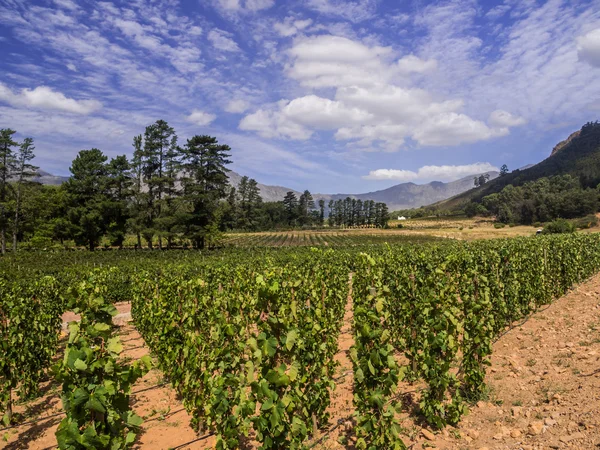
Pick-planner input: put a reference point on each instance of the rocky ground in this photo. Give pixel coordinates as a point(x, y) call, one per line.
point(544, 392)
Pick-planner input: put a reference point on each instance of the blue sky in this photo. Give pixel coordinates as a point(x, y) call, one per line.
point(329, 95)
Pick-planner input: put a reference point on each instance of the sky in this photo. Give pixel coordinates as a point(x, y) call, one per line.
point(327, 95)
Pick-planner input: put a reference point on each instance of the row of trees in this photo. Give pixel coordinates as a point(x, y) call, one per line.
point(352, 212)
point(542, 200)
point(165, 193)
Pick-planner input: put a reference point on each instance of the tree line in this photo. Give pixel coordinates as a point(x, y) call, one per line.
point(165, 194)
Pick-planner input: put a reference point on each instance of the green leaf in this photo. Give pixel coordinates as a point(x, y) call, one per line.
point(114, 345)
point(290, 339)
point(80, 365)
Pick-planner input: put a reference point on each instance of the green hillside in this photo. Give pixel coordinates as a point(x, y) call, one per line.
point(578, 156)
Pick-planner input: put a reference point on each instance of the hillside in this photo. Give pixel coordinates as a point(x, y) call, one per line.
point(578, 155)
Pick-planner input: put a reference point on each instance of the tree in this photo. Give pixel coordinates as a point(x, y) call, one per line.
point(321, 212)
point(7, 164)
point(204, 184)
point(160, 155)
point(88, 191)
point(305, 205)
point(24, 171)
point(249, 202)
point(503, 170)
point(332, 213)
point(290, 203)
point(119, 185)
point(138, 215)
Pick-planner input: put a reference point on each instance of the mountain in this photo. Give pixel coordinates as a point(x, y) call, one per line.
point(411, 195)
point(400, 196)
point(578, 156)
point(267, 192)
point(47, 178)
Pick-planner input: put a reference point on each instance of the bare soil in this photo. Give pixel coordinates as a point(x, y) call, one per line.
point(544, 392)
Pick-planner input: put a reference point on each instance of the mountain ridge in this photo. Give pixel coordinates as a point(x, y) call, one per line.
point(400, 196)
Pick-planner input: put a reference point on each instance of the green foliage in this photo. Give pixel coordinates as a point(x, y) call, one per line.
point(376, 372)
point(559, 226)
point(586, 222)
point(95, 386)
point(30, 320)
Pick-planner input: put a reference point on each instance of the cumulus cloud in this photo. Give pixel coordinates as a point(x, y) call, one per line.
point(45, 98)
point(237, 106)
point(200, 118)
point(326, 60)
point(454, 129)
point(431, 173)
point(373, 105)
point(589, 47)
point(222, 41)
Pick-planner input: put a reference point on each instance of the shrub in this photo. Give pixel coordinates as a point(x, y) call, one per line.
point(586, 222)
point(499, 225)
point(559, 226)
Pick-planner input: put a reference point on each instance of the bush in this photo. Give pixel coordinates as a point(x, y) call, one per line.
point(559, 226)
point(499, 225)
point(400, 225)
point(586, 222)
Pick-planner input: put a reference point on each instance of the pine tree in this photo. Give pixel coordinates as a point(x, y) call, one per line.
point(7, 165)
point(119, 186)
point(321, 212)
point(290, 203)
point(24, 171)
point(88, 192)
point(204, 184)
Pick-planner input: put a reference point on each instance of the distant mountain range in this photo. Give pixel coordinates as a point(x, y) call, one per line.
point(400, 196)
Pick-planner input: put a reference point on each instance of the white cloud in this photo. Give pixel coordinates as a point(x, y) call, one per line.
point(431, 173)
point(222, 41)
point(453, 129)
point(237, 106)
point(291, 26)
point(246, 5)
point(43, 97)
point(72, 67)
point(500, 119)
point(257, 5)
point(270, 123)
point(354, 11)
point(589, 47)
point(327, 60)
point(323, 113)
point(414, 64)
point(67, 4)
point(200, 118)
point(373, 104)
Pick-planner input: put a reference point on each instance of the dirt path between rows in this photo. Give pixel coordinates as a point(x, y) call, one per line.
point(544, 391)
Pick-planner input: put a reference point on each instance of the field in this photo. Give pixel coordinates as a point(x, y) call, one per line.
point(336, 341)
point(413, 230)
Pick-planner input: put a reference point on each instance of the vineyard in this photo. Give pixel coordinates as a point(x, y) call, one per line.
point(248, 336)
